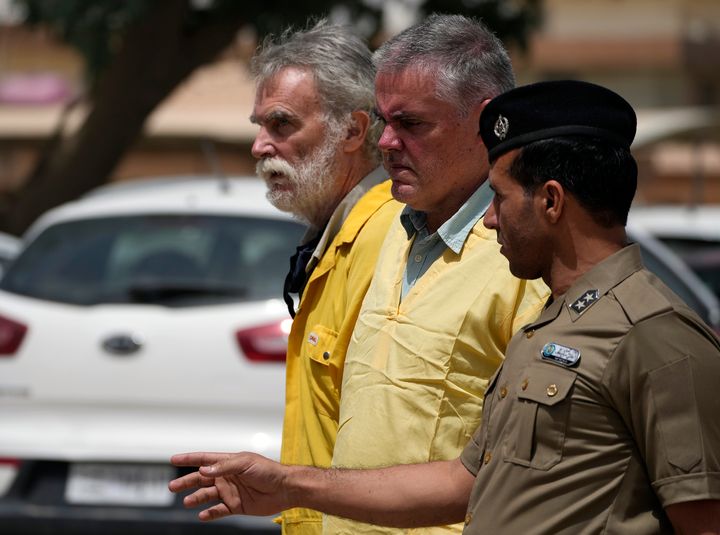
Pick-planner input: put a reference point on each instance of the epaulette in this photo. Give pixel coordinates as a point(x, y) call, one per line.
point(640, 300)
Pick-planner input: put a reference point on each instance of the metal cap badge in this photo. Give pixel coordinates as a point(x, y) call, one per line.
point(502, 125)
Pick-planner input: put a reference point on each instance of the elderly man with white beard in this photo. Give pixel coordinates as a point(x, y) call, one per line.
point(317, 152)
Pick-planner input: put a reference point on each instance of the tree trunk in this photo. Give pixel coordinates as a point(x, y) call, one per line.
point(157, 53)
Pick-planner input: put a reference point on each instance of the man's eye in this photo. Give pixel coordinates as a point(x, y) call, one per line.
point(409, 123)
point(279, 124)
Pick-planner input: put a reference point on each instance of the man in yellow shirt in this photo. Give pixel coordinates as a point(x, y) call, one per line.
point(317, 153)
point(443, 305)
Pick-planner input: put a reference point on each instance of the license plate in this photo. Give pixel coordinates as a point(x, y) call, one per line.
point(119, 484)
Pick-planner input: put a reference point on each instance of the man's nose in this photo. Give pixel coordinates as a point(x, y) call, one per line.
point(389, 140)
point(263, 147)
point(490, 219)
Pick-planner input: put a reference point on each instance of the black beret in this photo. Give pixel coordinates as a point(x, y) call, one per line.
point(554, 109)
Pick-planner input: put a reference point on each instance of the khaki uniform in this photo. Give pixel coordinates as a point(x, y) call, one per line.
point(605, 411)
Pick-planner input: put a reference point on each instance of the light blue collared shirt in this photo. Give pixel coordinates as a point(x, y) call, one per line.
point(427, 248)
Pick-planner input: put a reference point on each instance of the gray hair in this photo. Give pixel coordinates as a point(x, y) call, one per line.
point(342, 67)
point(469, 61)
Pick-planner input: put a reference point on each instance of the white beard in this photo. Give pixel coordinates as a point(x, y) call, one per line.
point(307, 189)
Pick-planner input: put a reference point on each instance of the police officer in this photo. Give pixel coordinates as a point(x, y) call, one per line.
point(603, 417)
point(605, 411)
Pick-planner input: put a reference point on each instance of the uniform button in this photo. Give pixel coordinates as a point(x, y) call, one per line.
point(418, 258)
point(503, 392)
point(524, 384)
point(529, 334)
point(488, 456)
point(326, 355)
point(468, 518)
point(552, 390)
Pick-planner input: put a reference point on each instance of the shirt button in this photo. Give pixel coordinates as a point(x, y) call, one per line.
point(524, 384)
point(326, 355)
point(503, 392)
point(552, 390)
point(468, 518)
point(488, 457)
point(418, 258)
point(529, 334)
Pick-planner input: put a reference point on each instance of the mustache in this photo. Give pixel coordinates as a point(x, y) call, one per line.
point(267, 167)
point(390, 159)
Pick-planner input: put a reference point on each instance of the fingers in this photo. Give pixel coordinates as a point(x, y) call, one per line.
point(213, 513)
point(190, 481)
point(197, 458)
point(234, 464)
point(195, 479)
point(202, 496)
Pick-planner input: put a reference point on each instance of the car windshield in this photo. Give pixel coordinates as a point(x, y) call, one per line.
point(703, 256)
point(172, 260)
point(674, 281)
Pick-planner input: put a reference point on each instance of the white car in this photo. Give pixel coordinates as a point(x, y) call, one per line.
point(692, 232)
point(678, 276)
point(142, 320)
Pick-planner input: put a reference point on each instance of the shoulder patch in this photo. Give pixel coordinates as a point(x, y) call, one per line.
point(640, 299)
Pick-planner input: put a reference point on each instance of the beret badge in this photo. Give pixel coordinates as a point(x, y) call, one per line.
point(501, 127)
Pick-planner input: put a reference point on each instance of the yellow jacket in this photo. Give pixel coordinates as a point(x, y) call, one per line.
point(319, 338)
point(417, 370)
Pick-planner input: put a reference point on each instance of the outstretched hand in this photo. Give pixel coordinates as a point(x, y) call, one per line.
point(243, 483)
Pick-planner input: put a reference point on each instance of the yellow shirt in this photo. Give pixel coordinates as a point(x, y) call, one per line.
point(416, 371)
point(319, 338)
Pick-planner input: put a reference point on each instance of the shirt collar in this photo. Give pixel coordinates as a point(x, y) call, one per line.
point(455, 230)
point(602, 278)
point(340, 214)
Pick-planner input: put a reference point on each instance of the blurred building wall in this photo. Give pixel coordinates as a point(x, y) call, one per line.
point(655, 52)
point(203, 127)
point(662, 55)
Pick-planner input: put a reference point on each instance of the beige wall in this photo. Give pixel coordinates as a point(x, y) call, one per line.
point(657, 53)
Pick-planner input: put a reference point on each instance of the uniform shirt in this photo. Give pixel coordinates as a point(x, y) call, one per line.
point(416, 370)
point(321, 331)
point(604, 412)
point(426, 248)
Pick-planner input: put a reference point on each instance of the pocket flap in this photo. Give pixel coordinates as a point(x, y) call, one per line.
point(546, 384)
point(321, 344)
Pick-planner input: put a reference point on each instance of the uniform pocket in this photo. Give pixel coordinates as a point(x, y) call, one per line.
point(325, 369)
point(539, 416)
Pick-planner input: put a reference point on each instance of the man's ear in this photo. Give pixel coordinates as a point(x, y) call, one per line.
point(356, 131)
point(477, 112)
point(552, 197)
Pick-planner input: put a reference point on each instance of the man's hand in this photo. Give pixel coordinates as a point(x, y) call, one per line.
point(243, 483)
point(406, 496)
